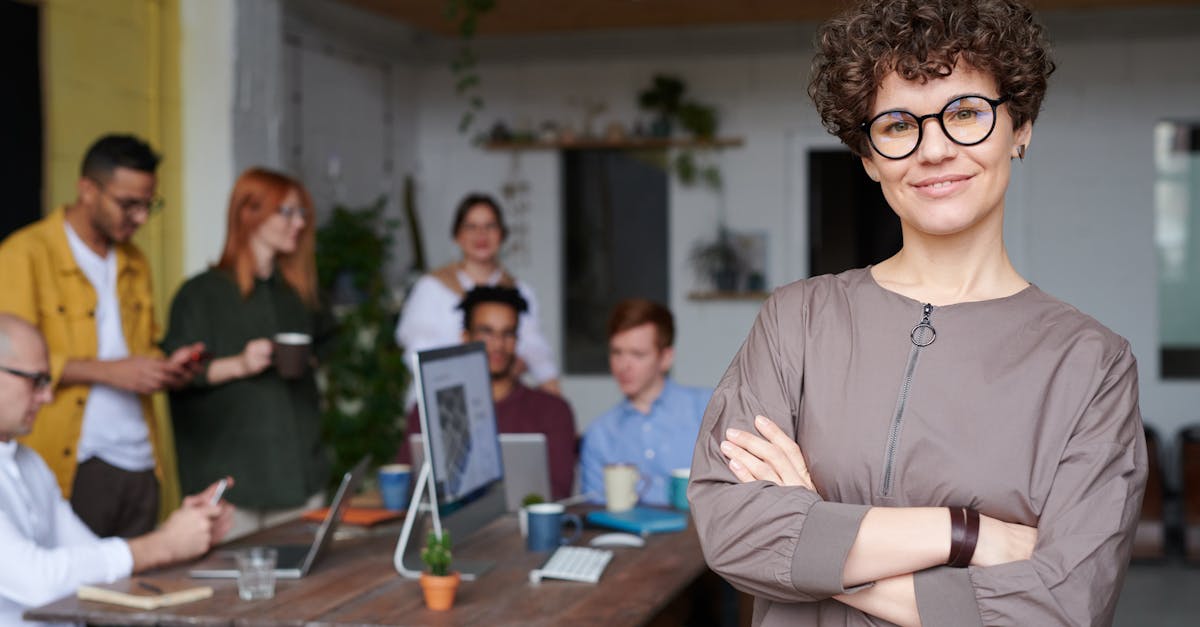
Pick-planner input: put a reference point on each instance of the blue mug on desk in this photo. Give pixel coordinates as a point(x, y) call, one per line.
point(546, 527)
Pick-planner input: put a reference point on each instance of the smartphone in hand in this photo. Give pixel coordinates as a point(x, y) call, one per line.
point(221, 485)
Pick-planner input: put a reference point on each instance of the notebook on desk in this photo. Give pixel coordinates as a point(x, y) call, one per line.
point(293, 561)
point(640, 520)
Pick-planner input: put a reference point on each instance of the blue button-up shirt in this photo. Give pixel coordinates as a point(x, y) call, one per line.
point(657, 442)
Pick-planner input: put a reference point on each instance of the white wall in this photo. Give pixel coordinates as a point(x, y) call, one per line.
point(1080, 220)
point(206, 65)
point(1080, 212)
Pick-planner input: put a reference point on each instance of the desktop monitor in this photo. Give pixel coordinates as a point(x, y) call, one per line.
point(454, 399)
point(462, 450)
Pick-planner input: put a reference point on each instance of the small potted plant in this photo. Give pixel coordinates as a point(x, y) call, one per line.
point(533, 498)
point(719, 261)
point(438, 583)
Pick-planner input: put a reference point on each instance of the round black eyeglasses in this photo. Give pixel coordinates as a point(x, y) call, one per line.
point(966, 121)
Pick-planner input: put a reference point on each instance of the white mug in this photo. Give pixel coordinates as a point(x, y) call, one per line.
point(622, 486)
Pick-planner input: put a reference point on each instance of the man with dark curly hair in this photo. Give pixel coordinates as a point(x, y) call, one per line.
point(931, 440)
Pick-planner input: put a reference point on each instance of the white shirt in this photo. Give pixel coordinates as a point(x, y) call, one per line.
point(431, 320)
point(46, 552)
point(113, 426)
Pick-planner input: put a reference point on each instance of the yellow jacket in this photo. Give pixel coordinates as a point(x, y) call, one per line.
point(40, 282)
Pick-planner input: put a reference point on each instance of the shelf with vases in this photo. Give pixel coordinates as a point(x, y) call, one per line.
point(626, 143)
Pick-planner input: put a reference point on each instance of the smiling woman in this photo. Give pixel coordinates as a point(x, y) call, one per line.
point(930, 440)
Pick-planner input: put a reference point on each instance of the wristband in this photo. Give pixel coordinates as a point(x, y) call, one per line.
point(963, 550)
point(958, 532)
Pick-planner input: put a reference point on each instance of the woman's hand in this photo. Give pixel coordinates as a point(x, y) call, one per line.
point(256, 356)
point(1001, 542)
point(774, 457)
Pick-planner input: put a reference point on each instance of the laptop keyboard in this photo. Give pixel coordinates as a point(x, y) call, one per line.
point(573, 563)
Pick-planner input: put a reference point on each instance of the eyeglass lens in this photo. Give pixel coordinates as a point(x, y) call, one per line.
point(291, 211)
point(966, 121)
point(39, 379)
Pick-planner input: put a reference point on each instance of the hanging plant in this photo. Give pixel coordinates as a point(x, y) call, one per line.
point(464, 65)
point(665, 97)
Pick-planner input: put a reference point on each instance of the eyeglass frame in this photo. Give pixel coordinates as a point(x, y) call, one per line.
point(941, 120)
point(40, 380)
point(130, 205)
point(291, 212)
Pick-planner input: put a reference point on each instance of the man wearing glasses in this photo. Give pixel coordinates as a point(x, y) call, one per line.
point(47, 550)
point(78, 277)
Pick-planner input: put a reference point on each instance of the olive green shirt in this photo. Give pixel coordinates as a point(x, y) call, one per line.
point(263, 430)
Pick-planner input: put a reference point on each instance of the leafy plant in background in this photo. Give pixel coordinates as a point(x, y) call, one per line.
point(364, 378)
point(665, 97)
point(466, 14)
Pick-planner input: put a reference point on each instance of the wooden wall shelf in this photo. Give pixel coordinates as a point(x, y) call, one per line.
point(715, 295)
point(647, 143)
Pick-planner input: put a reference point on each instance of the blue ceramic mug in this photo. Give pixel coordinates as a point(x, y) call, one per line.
point(546, 527)
point(678, 488)
point(394, 483)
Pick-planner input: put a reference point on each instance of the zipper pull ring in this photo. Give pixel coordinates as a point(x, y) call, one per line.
point(923, 334)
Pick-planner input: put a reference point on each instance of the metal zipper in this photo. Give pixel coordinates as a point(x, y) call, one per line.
point(922, 335)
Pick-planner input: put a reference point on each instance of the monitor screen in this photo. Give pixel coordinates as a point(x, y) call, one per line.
point(455, 404)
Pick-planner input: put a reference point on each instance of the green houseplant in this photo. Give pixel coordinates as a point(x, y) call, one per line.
point(438, 583)
point(665, 97)
point(363, 378)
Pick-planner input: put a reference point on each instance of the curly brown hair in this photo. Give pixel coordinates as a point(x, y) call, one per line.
point(922, 40)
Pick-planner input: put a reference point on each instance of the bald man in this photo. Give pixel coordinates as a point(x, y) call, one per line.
point(47, 551)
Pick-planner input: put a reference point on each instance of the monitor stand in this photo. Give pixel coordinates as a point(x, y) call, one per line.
point(461, 524)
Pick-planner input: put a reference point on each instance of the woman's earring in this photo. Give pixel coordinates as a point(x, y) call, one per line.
point(1021, 152)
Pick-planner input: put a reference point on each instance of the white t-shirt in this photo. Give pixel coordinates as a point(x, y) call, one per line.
point(114, 428)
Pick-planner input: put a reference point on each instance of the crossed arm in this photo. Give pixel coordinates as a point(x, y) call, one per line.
point(892, 542)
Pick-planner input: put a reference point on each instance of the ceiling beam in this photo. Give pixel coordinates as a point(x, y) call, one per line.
point(524, 17)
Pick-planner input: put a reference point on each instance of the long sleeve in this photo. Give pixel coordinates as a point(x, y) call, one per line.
point(778, 543)
point(1085, 530)
point(428, 320)
point(591, 466)
point(68, 554)
point(19, 296)
point(188, 323)
point(531, 343)
point(35, 575)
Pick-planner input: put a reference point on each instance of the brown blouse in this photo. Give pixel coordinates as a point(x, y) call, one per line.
point(1021, 407)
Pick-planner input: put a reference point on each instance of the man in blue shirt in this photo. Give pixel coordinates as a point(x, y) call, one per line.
point(656, 425)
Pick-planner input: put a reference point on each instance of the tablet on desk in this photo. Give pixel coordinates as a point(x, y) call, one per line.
point(293, 561)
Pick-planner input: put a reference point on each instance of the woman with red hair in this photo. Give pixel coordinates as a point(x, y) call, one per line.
point(240, 417)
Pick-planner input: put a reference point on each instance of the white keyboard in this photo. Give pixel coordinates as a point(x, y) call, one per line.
point(573, 563)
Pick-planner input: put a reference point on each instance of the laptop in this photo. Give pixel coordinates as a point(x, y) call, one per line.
point(526, 465)
point(293, 561)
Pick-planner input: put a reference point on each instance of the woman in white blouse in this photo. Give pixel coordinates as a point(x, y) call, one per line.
point(431, 318)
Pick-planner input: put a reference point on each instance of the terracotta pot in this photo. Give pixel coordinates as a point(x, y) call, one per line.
point(439, 591)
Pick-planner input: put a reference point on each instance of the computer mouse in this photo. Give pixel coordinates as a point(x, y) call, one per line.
point(619, 540)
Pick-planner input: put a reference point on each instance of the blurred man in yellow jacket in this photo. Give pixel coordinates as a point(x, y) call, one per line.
point(77, 276)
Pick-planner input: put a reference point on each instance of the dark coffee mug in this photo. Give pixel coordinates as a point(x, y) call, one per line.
point(290, 354)
point(546, 527)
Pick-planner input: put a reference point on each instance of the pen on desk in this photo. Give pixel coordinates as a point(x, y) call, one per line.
point(149, 586)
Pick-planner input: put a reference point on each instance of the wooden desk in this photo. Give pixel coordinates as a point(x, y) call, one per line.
point(356, 584)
